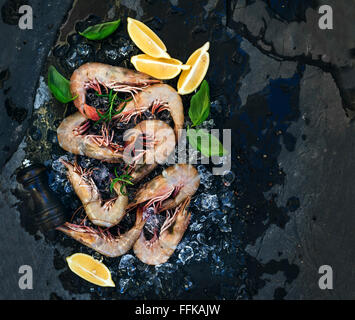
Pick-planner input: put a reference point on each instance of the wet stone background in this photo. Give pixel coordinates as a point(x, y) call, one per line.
point(256, 232)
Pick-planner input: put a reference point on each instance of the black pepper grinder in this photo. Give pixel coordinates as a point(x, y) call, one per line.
point(48, 212)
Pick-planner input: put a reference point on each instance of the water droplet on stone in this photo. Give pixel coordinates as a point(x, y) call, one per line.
point(228, 178)
point(187, 283)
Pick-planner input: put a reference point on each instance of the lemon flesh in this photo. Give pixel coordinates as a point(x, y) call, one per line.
point(146, 40)
point(199, 62)
point(159, 68)
point(90, 269)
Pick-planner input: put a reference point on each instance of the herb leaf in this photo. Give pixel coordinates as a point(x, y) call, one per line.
point(111, 111)
point(59, 86)
point(124, 178)
point(200, 104)
point(100, 31)
point(206, 143)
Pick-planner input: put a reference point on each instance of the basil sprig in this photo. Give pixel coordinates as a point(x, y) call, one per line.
point(100, 31)
point(59, 86)
point(200, 139)
point(200, 104)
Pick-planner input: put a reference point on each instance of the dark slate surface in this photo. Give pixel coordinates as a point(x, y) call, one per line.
point(292, 141)
point(21, 59)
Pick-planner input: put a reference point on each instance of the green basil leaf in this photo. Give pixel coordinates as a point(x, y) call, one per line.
point(100, 31)
point(59, 86)
point(206, 143)
point(200, 104)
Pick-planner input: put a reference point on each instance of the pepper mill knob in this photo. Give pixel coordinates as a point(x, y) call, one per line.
point(48, 212)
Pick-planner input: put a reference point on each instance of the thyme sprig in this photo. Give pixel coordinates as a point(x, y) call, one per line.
point(111, 111)
point(124, 178)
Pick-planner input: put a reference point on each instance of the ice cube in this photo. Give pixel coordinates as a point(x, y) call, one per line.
point(196, 226)
point(58, 166)
point(224, 225)
point(186, 254)
point(201, 238)
point(187, 283)
point(216, 216)
point(166, 268)
point(227, 199)
point(85, 163)
point(101, 174)
point(206, 177)
point(68, 187)
point(157, 285)
point(124, 284)
point(209, 202)
point(202, 253)
point(127, 264)
point(56, 181)
point(154, 221)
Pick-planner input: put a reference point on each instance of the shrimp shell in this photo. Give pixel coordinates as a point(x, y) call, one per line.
point(94, 74)
point(81, 144)
point(160, 248)
point(159, 97)
point(168, 190)
point(104, 215)
point(163, 139)
point(105, 244)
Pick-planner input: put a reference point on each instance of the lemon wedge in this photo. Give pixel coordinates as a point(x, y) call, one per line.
point(146, 40)
point(90, 269)
point(199, 62)
point(159, 68)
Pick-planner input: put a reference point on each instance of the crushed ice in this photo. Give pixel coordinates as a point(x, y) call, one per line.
point(42, 95)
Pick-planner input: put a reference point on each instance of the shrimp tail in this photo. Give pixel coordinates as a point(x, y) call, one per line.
point(84, 235)
point(105, 243)
point(90, 112)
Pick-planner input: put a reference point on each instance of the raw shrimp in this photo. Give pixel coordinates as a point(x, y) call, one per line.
point(105, 244)
point(72, 138)
point(159, 144)
point(159, 249)
point(105, 215)
point(151, 141)
point(159, 97)
point(167, 191)
point(94, 74)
